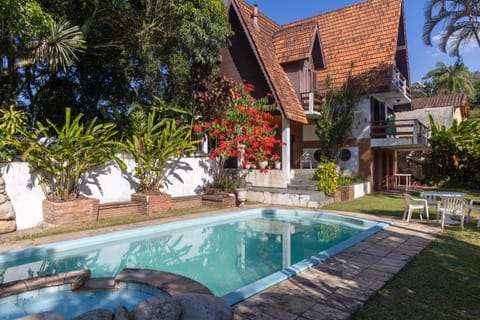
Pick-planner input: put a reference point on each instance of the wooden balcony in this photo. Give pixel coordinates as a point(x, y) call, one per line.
point(400, 82)
point(399, 92)
point(404, 133)
point(311, 103)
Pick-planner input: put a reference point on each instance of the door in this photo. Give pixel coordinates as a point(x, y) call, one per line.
point(378, 114)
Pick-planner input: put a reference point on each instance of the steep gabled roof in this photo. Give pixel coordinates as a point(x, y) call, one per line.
point(294, 43)
point(358, 40)
point(456, 100)
point(262, 41)
point(363, 35)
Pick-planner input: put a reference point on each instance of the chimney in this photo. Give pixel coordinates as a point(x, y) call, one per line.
point(255, 17)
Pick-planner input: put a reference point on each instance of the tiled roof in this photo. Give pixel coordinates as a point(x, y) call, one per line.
point(454, 100)
point(458, 100)
point(363, 35)
point(263, 41)
point(294, 43)
point(356, 40)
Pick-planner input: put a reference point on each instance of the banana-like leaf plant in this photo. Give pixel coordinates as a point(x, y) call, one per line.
point(62, 156)
point(153, 144)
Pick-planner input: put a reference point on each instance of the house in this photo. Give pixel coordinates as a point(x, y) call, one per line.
point(443, 109)
point(298, 62)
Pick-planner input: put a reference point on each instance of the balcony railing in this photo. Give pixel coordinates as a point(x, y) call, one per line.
point(400, 82)
point(402, 129)
point(311, 102)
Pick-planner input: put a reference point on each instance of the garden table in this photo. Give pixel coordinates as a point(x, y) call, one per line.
point(432, 199)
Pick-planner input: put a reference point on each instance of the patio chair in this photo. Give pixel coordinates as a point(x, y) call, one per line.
point(412, 204)
point(473, 205)
point(305, 159)
point(452, 206)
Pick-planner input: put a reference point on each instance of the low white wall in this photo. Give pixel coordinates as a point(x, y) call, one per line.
point(187, 176)
point(361, 189)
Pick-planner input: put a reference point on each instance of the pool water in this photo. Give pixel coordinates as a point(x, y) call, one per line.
point(234, 255)
point(69, 304)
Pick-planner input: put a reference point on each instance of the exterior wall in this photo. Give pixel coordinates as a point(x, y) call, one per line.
point(240, 63)
point(457, 114)
point(108, 184)
point(361, 120)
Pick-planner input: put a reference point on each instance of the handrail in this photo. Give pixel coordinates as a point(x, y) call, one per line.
point(311, 101)
point(405, 128)
point(400, 81)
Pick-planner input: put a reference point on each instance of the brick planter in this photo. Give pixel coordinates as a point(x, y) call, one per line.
point(70, 212)
point(154, 203)
point(347, 192)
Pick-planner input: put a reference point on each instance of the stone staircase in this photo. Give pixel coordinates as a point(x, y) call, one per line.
point(300, 192)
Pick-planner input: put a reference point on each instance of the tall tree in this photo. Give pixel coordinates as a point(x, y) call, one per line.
point(451, 79)
point(461, 23)
point(134, 51)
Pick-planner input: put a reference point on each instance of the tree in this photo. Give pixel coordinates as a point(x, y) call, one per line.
point(422, 89)
point(451, 79)
point(461, 23)
point(455, 153)
point(134, 51)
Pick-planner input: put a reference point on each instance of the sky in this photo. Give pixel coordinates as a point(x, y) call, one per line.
point(421, 58)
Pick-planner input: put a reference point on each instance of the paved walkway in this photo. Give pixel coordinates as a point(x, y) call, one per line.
point(334, 289)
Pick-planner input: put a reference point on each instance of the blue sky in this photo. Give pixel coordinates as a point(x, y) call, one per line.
point(422, 58)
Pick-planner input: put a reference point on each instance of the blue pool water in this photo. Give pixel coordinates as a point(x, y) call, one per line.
point(235, 255)
point(70, 304)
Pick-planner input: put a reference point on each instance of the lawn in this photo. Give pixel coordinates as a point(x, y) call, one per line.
point(442, 282)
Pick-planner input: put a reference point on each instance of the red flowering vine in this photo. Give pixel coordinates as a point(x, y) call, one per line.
point(245, 131)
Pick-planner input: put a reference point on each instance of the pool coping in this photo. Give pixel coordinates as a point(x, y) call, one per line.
point(334, 289)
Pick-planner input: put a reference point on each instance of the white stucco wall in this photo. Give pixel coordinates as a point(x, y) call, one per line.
point(361, 120)
point(352, 165)
point(187, 176)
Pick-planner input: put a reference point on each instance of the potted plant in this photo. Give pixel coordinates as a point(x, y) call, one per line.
point(154, 143)
point(60, 157)
point(241, 187)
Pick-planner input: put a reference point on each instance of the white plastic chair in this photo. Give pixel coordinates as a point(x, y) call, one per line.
point(473, 205)
point(305, 159)
point(452, 206)
point(412, 204)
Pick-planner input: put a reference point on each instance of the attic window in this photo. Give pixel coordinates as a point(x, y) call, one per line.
point(317, 55)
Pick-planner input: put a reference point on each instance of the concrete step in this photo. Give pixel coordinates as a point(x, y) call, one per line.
point(304, 173)
point(306, 187)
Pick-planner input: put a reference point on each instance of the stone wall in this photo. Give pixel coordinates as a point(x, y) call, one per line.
point(7, 213)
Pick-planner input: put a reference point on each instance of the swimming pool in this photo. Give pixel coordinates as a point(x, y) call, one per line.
point(235, 255)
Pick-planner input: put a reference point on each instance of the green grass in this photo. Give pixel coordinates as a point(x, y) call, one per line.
point(442, 282)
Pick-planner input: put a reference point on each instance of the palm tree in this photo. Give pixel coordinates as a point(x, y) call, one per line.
point(461, 23)
point(58, 49)
point(451, 79)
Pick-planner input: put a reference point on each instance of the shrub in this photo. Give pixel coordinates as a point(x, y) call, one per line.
point(327, 177)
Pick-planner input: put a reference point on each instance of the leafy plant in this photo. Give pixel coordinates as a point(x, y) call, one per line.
point(11, 122)
point(326, 176)
point(61, 156)
point(153, 144)
point(346, 181)
point(455, 155)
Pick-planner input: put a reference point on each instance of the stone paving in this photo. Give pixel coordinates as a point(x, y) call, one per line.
point(338, 287)
point(334, 289)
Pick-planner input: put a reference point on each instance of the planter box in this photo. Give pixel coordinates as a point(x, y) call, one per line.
point(153, 203)
point(70, 212)
point(347, 192)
